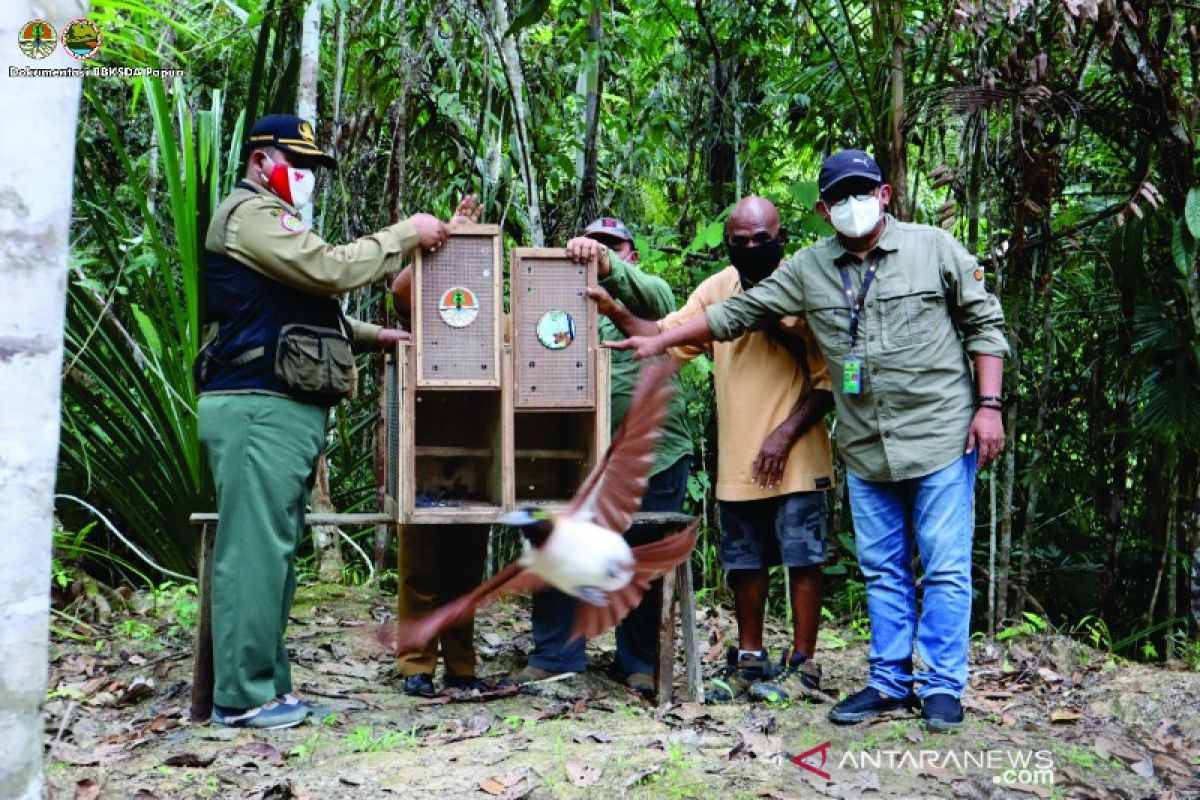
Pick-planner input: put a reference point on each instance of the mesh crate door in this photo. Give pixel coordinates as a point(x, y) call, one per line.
point(554, 330)
point(457, 318)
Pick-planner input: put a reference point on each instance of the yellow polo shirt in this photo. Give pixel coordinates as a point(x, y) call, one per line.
point(757, 385)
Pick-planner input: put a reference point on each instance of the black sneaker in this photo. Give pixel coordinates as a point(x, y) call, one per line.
point(419, 685)
point(467, 683)
point(868, 703)
point(744, 678)
point(942, 713)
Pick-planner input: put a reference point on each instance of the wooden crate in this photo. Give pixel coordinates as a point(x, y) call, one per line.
point(457, 308)
point(553, 330)
point(554, 449)
point(448, 448)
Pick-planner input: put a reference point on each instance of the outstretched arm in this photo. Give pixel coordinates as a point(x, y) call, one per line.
point(694, 331)
point(626, 321)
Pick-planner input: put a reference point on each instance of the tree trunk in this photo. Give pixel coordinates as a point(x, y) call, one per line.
point(37, 149)
point(310, 62)
point(1037, 447)
point(594, 76)
point(514, 73)
point(898, 171)
point(327, 545)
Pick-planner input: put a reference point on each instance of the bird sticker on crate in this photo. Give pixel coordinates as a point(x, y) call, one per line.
point(457, 310)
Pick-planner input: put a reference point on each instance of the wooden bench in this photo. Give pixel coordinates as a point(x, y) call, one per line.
point(676, 588)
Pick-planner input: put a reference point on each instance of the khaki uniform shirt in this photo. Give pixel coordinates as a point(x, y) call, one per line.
point(758, 383)
point(927, 308)
point(261, 231)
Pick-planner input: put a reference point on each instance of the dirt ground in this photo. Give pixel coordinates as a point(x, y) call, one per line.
point(1046, 717)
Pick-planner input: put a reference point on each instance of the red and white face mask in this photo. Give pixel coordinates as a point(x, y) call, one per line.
point(295, 186)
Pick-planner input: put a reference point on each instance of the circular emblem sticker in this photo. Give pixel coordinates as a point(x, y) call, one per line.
point(291, 223)
point(458, 307)
point(81, 38)
point(37, 38)
point(556, 329)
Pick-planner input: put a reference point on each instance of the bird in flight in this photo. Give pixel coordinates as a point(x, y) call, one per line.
point(582, 552)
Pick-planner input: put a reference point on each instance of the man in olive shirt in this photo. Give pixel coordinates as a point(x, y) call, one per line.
point(896, 309)
point(276, 357)
point(608, 241)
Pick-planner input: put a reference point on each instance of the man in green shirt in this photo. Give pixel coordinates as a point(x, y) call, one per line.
point(610, 243)
point(896, 308)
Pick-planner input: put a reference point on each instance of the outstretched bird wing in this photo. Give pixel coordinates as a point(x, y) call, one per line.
point(652, 561)
point(411, 634)
point(613, 490)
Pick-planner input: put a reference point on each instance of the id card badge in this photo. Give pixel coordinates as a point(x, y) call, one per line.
point(852, 375)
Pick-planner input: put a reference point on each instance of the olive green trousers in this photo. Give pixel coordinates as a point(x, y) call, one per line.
point(262, 451)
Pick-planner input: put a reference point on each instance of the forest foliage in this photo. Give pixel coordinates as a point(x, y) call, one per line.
point(1056, 139)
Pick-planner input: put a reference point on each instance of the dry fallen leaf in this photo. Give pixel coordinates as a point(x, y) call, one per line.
point(582, 774)
point(501, 784)
point(87, 789)
point(1065, 716)
point(260, 749)
point(139, 690)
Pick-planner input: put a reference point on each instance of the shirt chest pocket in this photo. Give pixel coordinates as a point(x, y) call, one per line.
point(910, 319)
point(831, 327)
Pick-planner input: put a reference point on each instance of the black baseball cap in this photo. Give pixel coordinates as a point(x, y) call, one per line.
point(847, 164)
point(289, 133)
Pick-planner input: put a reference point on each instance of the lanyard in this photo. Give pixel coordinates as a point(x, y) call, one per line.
point(853, 303)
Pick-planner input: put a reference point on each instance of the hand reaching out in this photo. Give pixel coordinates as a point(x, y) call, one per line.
point(468, 211)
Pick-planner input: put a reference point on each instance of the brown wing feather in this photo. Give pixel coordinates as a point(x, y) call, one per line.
point(411, 634)
point(653, 561)
point(613, 490)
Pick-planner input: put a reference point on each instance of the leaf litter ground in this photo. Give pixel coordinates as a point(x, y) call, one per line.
point(117, 726)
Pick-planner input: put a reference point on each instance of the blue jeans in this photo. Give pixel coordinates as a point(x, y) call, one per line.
point(936, 512)
point(637, 635)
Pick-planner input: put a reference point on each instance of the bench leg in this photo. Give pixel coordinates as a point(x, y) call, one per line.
point(202, 669)
point(691, 640)
point(664, 668)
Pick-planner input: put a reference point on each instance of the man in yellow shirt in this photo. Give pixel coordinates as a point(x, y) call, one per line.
point(774, 459)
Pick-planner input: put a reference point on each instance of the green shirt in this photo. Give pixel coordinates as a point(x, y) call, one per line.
point(648, 297)
point(927, 308)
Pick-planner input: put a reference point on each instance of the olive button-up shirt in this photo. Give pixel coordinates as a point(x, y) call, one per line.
point(926, 309)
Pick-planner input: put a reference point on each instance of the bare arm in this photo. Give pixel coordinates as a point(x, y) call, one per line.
point(694, 331)
point(811, 408)
point(626, 321)
point(987, 428)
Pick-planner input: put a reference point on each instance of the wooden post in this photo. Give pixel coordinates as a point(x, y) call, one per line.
point(691, 642)
point(664, 667)
point(202, 669)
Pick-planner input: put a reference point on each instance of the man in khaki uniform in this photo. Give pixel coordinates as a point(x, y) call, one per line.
point(277, 355)
point(774, 459)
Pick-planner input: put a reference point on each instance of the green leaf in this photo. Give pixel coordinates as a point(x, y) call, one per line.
point(1183, 248)
point(814, 224)
point(529, 14)
point(805, 193)
point(149, 334)
point(1191, 211)
point(714, 233)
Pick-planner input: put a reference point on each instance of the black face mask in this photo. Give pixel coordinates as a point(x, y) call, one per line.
point(755, 263)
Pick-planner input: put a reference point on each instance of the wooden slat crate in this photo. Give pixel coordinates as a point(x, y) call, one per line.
point(554, 329)
point(457, 308)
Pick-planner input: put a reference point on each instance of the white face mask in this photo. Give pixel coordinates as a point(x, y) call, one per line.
point(856, 216)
